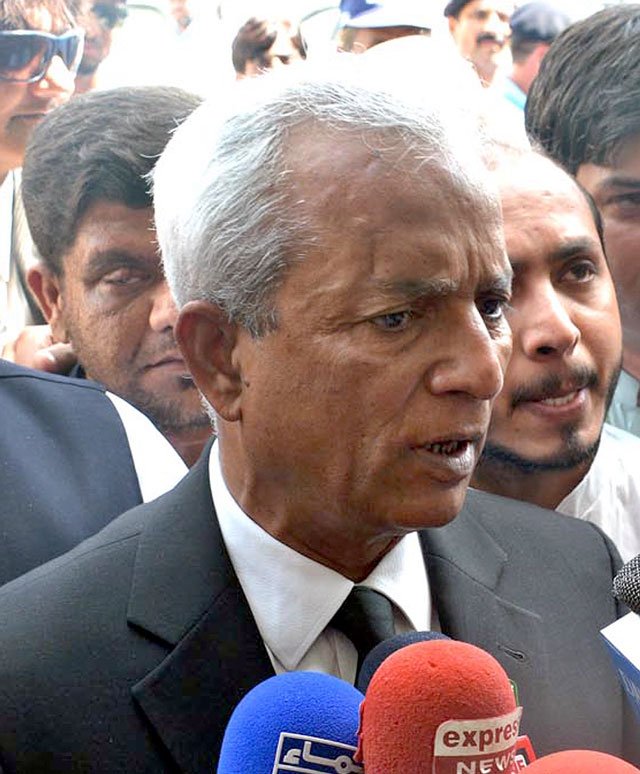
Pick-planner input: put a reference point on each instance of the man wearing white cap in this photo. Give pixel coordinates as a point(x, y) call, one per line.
point(365, 24)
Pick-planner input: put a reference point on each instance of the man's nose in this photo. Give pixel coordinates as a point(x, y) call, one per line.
point(544, 326)
point(497, 26)
point(57, 78)
point(475, 361)
point(164, 312)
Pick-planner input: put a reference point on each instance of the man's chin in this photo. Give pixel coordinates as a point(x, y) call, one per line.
point(435, 513)
point(571, 454)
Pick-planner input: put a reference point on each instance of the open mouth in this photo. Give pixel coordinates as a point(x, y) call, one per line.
point(564, 400)
point(448, 448)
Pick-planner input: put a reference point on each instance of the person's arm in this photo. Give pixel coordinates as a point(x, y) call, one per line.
point(34, 347)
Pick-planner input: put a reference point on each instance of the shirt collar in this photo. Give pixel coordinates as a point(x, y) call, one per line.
point(514, 93)
point(292, 597)
point(627, 390)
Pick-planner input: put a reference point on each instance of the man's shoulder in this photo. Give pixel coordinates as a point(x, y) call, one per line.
point(21, 378)
point(520, 518)
point(101, 557)
point(616, 439)
point(616, 461)
point(532, 535)
point(110, 552)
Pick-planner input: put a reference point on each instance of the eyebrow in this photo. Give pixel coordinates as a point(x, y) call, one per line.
point(104, 261)
point(411, 290)
point(570, 249)
point(619, 181)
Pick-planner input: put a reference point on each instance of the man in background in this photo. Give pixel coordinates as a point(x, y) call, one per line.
point(546, 441)
point(363, 24)
point(534, 27)
point(99, 281)
point(480, 30)
point(262, 44)
point(100, 23)
point(40, 50)
point(584, 109)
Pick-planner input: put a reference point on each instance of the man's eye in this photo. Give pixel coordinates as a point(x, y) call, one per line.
point(623, 206)
point(394, 321)
point(123, 276)
point(580, 272)
point(492, 308)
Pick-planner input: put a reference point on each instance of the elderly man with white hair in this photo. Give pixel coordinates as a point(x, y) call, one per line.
point(340, 267)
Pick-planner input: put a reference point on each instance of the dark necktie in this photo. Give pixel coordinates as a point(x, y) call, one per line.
point(366, 618)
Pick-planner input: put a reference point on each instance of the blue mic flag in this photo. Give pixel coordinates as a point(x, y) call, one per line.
point(294, 722)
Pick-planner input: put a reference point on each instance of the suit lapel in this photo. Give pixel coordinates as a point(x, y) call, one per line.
point(185, 592)
point(466, 571)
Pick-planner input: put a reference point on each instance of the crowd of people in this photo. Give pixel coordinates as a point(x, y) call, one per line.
point(360, 321)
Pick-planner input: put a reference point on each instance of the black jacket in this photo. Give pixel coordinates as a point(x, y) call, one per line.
point(65, 466)
point(129, 653)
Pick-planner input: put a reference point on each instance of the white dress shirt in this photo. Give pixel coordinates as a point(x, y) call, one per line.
point(609, 495)
point(158, 465)
point(293, 598)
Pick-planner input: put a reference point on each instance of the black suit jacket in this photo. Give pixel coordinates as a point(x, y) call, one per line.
point(130, 652)
point(65, 466)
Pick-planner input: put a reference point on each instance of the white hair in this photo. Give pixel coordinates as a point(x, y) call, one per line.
point(227, 224)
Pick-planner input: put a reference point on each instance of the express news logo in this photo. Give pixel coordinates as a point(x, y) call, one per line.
point(483, 746)
point(311, 755)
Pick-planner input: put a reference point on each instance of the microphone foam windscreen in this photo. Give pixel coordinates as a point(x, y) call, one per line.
point(302, 721)
point(626, 584)
point(422, 705)
point(386, 648)
point(581, 762)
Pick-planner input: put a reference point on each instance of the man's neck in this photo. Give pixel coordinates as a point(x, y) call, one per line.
point(299, 515)
point(189, 443)
point(86, 82)
point(546, 488)
point(520, 79)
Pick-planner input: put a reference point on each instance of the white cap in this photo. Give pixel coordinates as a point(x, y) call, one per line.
point(392, 13)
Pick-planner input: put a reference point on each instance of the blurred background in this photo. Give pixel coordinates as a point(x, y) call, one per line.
point(152, 47)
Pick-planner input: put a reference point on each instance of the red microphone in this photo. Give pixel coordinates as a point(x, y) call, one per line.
point(439, 707)
point(581, 762)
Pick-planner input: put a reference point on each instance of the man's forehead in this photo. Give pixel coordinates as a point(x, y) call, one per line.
point(533, 176)
point(370, 173)
point(551, 212)
point(499, 6)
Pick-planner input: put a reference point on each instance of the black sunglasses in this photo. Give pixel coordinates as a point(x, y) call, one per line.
point(25, 55)
point(110, 16)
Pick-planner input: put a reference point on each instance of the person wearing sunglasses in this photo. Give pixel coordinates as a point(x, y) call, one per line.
point(104, 17)
point(40, 50)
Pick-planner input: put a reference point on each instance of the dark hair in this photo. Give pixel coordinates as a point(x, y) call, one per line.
point(18, 14)
point(522, 48)
point(97, 147)
point(253, 41)
point(585, 101)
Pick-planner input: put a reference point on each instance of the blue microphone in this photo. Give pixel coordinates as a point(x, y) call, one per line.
point(378, 654)
point(294, 722)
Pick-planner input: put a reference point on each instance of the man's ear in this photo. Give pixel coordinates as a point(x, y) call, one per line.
point(208, 342)
point(46, 287)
